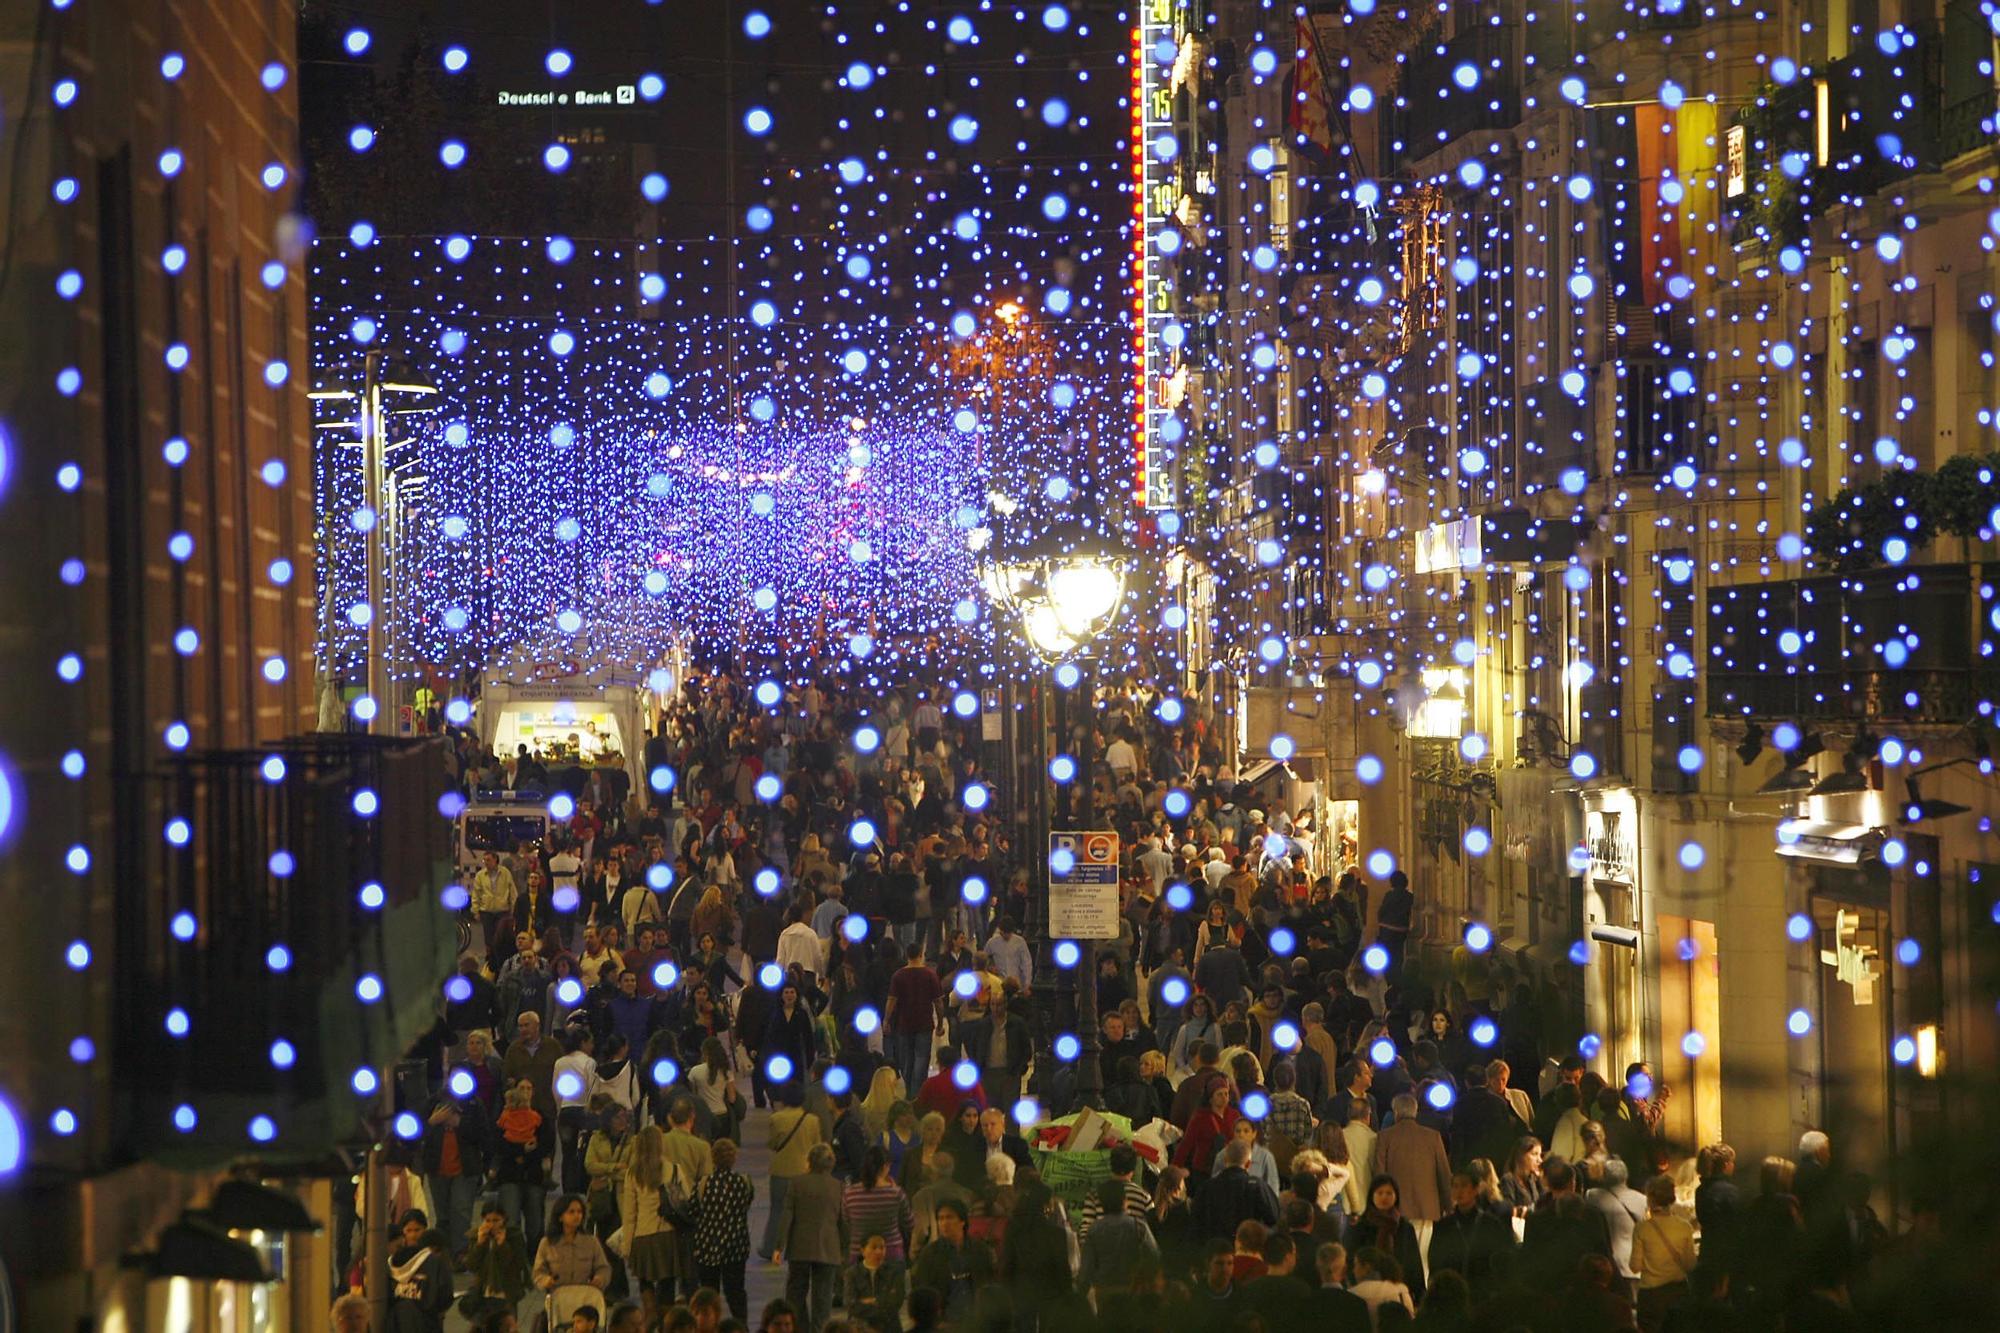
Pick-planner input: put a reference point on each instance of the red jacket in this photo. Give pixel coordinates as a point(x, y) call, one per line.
point(1205, 1137)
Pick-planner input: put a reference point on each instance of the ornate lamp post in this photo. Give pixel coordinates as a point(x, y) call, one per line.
point(1064, 587)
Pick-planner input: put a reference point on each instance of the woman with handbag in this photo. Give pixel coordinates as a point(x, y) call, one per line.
point(607, 1156)
point(722, 1228)
point(713, 1083)
point(653, 1251)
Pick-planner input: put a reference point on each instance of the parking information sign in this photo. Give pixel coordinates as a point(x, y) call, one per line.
point(1083, 886)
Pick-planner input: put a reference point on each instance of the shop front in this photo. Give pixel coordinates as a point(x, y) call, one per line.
point(1867, 929)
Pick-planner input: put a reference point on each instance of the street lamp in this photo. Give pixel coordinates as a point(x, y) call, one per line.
point(383, 381)
point(1064, 586)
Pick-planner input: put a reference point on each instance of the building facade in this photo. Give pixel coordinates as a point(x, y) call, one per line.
point(184, 862)
point(1602, 432)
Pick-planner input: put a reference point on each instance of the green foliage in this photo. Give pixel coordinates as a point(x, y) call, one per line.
point(1848, 531)
point(1772, 209)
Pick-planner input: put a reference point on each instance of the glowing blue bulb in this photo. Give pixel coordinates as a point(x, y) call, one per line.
point(1180, 897)
point(1067, 953)
point(1799, 926)
point(178, 1023)
point(1692, 855)
point(1067, 1047)
point(861, 833)
point(757, 121)
point(1382, 1052)
point(1375, 958)
point(959, 29)
point(455, 59)
point(1175, 991)
point(1798, 1022)
point(556, 157)
point(356, 41)
point(1440, 1096)
point(1055, 207)
point(1478, 938)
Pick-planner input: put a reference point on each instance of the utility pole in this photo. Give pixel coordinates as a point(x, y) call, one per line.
point(375, 496)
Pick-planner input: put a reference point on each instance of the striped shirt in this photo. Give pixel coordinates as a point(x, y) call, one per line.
point(883, 1212)
point(1136, 1201)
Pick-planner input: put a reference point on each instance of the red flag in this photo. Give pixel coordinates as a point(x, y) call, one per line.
point(1311, 110)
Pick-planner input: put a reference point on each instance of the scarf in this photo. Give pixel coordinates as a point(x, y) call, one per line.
point(1382, 1227)
point(409, 1275)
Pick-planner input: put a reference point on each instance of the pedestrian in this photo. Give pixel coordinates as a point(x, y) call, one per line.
point(420, 1271)
point(713, 1082)
point(523, 1152)
point(1718, 1204)
point(1469, 1240)
point(498, 1263)
point(1663, 1256)
point(1383, 1229)
point(1379, 1280)
point(1622, 1208)
point(652, 1248)
point(885, 1089)
point(915, 1015)
point(1413, 1155)
point(1116, 1242)
point(569, 1256)
point(722, 1232)
point(794, 1132)
point(812, 1239)
point(874, 1205)
point(874, 1288)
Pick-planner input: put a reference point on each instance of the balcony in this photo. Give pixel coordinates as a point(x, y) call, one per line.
point(252, 928)
point(1439, 108)
point(1902, 645)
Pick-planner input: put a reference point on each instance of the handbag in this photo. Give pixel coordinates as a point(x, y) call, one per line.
point(680, 1206)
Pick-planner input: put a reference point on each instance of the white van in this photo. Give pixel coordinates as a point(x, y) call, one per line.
point(499, 822)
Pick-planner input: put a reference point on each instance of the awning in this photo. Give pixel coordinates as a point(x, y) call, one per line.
point(1828, 842)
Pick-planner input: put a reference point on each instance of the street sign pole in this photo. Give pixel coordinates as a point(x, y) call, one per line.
point(1083, 906)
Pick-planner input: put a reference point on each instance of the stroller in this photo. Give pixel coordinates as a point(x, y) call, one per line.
point(563, 1303)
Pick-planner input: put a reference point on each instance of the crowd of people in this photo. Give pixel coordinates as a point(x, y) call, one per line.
point(819, 909)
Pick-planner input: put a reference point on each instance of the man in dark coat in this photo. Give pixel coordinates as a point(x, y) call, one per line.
point(1233, 1197)
point(1468, 1239)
